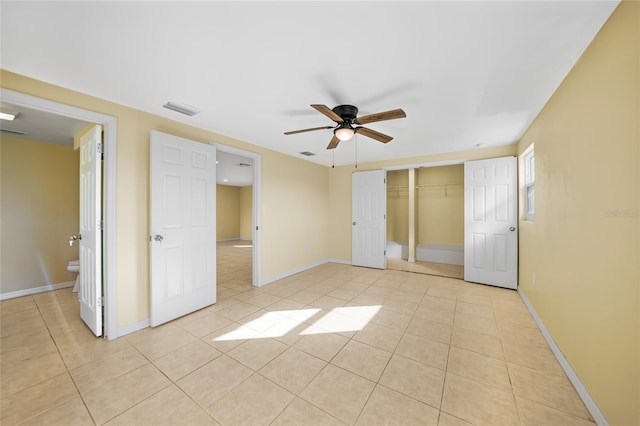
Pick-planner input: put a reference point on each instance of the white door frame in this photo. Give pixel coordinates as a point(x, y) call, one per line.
point(110, 127)
point(256, 205)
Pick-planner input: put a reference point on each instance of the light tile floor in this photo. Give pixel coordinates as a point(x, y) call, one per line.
point(330, 346)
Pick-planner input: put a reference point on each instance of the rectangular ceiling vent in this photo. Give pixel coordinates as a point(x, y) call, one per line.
point(13, 132)
point(244, 165)
point(182, 108)
point(307, 153)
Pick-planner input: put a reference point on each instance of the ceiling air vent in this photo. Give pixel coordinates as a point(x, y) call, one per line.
point(244, 165)
point(182, 108)
point(13, 132)
point(307, 153)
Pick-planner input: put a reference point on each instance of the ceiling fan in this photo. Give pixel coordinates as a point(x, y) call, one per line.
point(348, 123)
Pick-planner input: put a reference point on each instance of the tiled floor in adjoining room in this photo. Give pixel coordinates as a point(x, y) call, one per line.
point(333, 345)
point(430, 268)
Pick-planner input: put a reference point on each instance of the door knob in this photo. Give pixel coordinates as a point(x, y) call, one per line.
point(74, 238)
point(354, 223)
point(158, 238)
point(512, 229)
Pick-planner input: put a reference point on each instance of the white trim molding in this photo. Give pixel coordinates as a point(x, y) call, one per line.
point(591, 405)
point(36, 290)
point(440, 253)
point(293, 272)
point(131, 328)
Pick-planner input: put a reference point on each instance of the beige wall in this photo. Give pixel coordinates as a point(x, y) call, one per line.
point(40, 187)
point(583, 243)
point(441, 205)
point(340, 190)
point(227, 212)
point(294, 196)
point(294, 214)
point(398, 206)
point(246, 212)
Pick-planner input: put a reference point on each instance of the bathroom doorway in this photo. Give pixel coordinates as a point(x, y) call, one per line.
point(57, 112)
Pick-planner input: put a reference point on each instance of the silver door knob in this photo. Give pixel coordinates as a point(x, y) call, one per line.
point(158, 238)
point(512, 229)
point(354, 223)
point(73, 238)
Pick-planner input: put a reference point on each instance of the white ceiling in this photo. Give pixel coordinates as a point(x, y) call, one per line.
point(233, 170)
point(40, 125)
point(466, 73)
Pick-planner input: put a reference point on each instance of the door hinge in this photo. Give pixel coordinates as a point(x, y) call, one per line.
point(385, 216)
point(385, 180)
point(101, 148)
point(100, 301)
point(385, 252)
point(100, 225)
point(257, 228)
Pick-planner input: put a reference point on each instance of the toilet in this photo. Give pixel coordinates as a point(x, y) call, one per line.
point(74, 266)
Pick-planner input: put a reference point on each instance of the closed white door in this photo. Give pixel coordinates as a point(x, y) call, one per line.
point(491, 222)
point(90, 276)
point(369, 209)
point(183, 226)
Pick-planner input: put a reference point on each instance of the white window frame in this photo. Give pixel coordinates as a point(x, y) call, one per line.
point(529, 183)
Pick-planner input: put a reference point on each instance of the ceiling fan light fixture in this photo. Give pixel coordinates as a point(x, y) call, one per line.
point(344, 133)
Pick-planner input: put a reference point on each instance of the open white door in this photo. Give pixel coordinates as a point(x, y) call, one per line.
point(90, 277)
point(183, 226)
point(491, 222)
point(369, 209)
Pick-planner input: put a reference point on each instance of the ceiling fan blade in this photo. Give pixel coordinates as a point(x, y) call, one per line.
point(328, 112)
point(373, 134)
point(334, 143)
point(293, 132)
point(381, 116)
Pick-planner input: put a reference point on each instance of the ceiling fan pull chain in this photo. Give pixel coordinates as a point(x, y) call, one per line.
point(356, 150)
point(333, 159)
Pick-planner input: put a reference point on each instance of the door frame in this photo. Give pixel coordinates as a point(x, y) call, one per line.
point(256, 234)
point(109, 190)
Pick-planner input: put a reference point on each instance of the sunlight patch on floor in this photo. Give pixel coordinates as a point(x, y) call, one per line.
point(280, 323)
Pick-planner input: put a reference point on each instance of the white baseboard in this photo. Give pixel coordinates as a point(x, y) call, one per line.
point(36, 290)
point(341, 261)
point(224, 240)
point(128, 329)
point(591, 405)
point(293, 272)
point(440, 253)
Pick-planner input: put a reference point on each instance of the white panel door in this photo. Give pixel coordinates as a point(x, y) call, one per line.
point(491, 222)
point(369, 209)
point(183, 226)
point(90, 277)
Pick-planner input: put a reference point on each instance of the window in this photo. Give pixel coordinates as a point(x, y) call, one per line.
point(529, 181)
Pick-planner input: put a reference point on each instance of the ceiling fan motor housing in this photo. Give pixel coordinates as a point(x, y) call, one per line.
point(347, 112)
